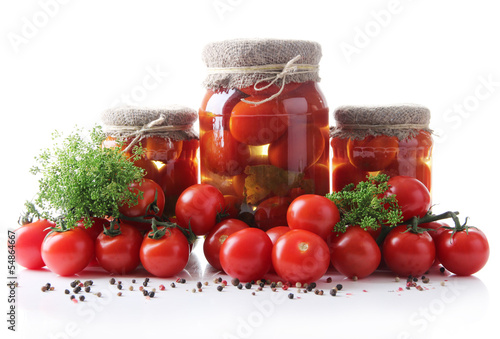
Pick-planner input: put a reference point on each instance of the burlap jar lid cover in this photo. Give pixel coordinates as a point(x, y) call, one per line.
point(241, 63)
point(173, 122)
point(401, 121)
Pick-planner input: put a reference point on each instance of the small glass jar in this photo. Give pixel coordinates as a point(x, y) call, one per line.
point(264, 139)
point(170, 145)
point(394, 140)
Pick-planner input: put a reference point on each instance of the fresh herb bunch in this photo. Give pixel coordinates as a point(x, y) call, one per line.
point(366, 205)
point(82, 179)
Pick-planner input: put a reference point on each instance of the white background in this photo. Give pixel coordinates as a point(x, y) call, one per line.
point(64, 62)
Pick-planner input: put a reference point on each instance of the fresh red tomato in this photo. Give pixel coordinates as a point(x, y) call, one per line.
point(69, 252)
point(307, 143)
point(232, 206)
point(119, 253)
point(274, 234)
point(355, 253)
point(214, 240)
point(166, 256)
point(198, 206)
point(413, 197)
point(408, 253)
point(151, 204)
point(435, 230)
point(96, 228)
point(222, 154)
point(313, 213)
point(416, 168)
point(272, 212)
point(344, 174)
point(246, 254)
point(373, 153)
point(28, 244)
point(174, 178)
point(464, 252)
point(300, 256)
point(259, 124)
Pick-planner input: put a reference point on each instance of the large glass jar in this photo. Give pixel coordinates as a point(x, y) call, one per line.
point(264, 132)
point(394, 140)
point(170, 145)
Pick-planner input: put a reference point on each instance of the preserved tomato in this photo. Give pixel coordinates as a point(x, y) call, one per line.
point(394, 140)
point(264, 134)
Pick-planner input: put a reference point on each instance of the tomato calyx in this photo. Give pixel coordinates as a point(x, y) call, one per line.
point(113, 230)
point(158, 233)
point(458, 227)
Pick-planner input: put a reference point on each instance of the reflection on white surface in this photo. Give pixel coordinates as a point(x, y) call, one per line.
point(374, 307)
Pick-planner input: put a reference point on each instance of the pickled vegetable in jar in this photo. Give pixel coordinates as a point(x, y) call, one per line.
point(264, 125)
point(169, 141)
point(394, 140)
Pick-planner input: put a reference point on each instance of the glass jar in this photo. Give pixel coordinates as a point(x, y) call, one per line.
point(394, 140)
point(264, 139)
point(170, 145)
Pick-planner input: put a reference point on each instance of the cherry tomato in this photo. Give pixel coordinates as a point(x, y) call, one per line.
point(355, 253)
point(344, 174)
point(216, 108)
point(69, 252)
point(408, 253)
point(119, 254)
point(151, 204)
point(214, 240)
point(28, 244)
point(222, 154)
point(373, 153)
point(435, 230)
point(463, 253)
point(259, 124)
point(246, 254)
point(198, 206)
point(174, 178)
point(320, 175)
point(300, 256)
point(274, 233)
point(307, 143)
point(313, 213)
point(166, 256)
point(415, 168)
point(272, 212)
point(413, 197)
point(149, 167)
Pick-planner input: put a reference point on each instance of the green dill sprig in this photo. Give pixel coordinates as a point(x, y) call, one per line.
point(79, 179)
point(366, 205)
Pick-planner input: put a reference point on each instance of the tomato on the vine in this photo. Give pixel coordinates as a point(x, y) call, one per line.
point(167, 255)
point(198, 206)
point(300, 256)
point(313, 213)
point(151, 205)
point(67, 252)
point(246, 254)
point(464, 252)
point(355, 253)
point(117, 248)
point(413, 197)
point(216, 237)
point(406, 252)
point(28, 244)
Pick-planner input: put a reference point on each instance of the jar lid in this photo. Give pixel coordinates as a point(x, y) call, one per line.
point(402, 121)
point(241, 63)
point(173, 121)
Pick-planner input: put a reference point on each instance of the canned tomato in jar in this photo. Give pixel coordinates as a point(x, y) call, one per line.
point(169, 142)
point(264, 126)
point(394, 140)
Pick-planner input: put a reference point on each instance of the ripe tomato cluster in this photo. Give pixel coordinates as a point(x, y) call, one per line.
point(301, 252)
